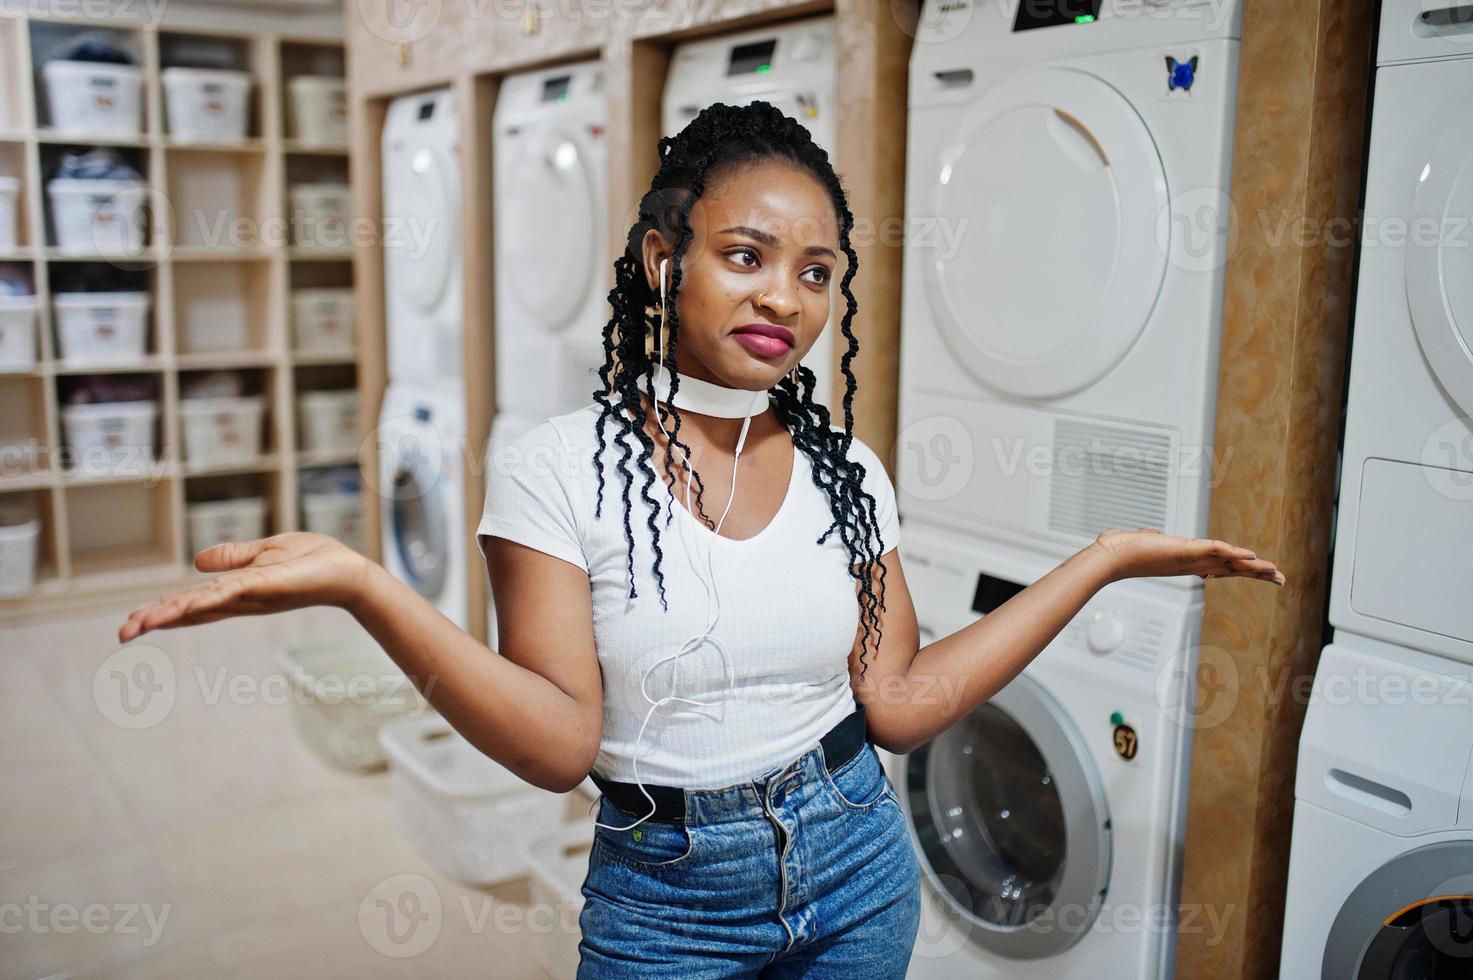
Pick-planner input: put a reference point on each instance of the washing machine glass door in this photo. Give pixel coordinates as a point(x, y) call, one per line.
point(422, 223)
point(1412, 919)
point(1439, 261)
point(420, 525)
point(550, 227)
point(1011, 820)
point(1041, 248)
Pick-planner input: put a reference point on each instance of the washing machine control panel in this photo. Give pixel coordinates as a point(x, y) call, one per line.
point(1105, 633)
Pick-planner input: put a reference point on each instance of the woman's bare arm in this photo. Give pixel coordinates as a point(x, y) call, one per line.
point(912, 694)
point(535, 706)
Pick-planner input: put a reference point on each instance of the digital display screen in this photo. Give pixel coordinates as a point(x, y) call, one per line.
point(747, 59)
point(426, 110)
point(555, 89)
point(992, 592)
point(1052, 13)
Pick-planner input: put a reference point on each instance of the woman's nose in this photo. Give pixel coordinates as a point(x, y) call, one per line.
point(780, 301)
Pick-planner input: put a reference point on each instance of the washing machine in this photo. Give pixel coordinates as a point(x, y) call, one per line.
point(421, 436)
point(790, 65)
point(1049, 822)
point(1404, 537)
point(423, 278)
point(1381, 870)
point(551, 250)
point(1068, 225)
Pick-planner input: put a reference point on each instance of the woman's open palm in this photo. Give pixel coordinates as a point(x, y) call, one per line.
point(266, 575)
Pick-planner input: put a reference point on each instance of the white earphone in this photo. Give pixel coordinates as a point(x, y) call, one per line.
point(712, 597)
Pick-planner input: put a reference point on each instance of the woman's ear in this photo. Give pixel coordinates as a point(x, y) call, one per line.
point(656, 251)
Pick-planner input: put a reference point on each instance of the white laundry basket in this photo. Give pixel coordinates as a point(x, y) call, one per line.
point(465, 812)
point(94, 327)
point(17, 333)
point(206, 105)
point(213, 522)
point(319, 107)
point(20, 538)
point(88, 98)
point(320, 214)
point(92, 216)
point(329, 421)
point(322, 319)
point(222, 430)
point(558, 862)
point(9, 196)
point(110, 437)
point(332, 504)
point(343, 693)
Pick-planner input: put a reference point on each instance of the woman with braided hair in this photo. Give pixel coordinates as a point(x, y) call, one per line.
point(721, 664)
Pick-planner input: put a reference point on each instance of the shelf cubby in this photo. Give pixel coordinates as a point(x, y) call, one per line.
point(226, 307)
point(48, 41)
point(115, 527)
point(219, 199)
point(24, 440)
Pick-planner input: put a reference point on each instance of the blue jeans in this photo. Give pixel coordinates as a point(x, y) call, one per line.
point(797, 873)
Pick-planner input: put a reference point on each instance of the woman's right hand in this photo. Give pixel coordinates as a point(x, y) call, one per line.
point(267, 575)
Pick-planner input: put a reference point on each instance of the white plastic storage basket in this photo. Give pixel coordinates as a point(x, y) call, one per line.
point(110, 437)
point(206, 105)
point(20, 538)
point(222, 430)
point(9, 202)
point(343, 693)
point(319, 107)
point(89, 98)
point(332, 504)
point(215, 522)
point(558, 862)
point(463, 811)
point(322, 319)
point(92, 327)
point(92, 216)
point(320, 214)
point(17, 333)
point(329, 421)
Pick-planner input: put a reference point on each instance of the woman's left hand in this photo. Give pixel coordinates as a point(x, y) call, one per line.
point(1148, 553)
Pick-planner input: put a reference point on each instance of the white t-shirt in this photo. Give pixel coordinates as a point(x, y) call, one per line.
point(788, 606)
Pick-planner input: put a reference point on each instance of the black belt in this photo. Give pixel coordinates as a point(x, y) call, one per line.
point(841, 744)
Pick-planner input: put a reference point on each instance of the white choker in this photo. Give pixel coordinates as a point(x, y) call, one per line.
point(705, 398)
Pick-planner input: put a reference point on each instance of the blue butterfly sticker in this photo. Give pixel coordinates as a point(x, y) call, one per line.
point(1180, 74)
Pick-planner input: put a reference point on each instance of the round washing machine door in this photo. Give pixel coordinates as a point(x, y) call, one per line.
point(422, 223)
point(551, 225)
point(1439, 261)
point(1011, 820)
point(419, 523)
point(1052, 268)
point(1412, 919)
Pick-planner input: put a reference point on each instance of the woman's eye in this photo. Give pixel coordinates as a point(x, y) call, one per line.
point(823, 275)
point(744, 251)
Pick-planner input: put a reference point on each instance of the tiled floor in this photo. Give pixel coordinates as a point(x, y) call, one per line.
point(206, 840)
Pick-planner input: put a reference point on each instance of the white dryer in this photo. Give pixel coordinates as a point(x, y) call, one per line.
point(423, 278)
point(1404, 538)
point(1381, 871)
point(1067, 217)
point(551, 248)
point(790, 65)
point(1049, 822)
point(421, 440)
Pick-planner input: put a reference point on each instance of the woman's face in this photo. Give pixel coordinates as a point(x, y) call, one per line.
point(761, 262)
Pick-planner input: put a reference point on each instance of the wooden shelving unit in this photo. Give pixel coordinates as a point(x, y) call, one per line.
point(219, 247)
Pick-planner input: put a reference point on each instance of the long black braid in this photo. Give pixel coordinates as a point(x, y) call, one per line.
point(718, 140)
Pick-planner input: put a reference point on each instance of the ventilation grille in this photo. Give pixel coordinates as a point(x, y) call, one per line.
point(1105, 476)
